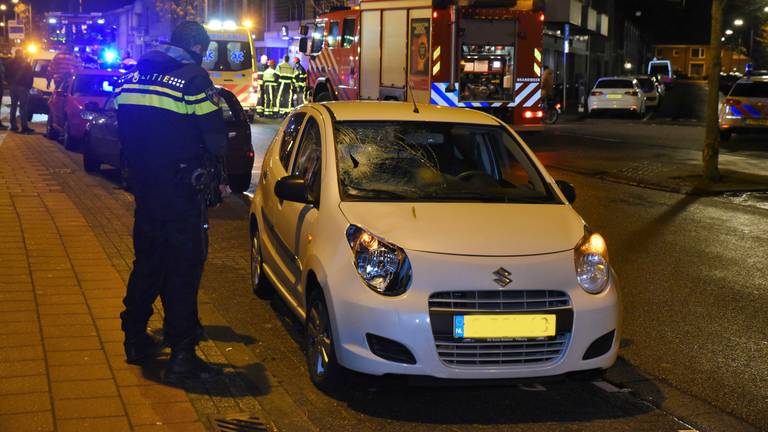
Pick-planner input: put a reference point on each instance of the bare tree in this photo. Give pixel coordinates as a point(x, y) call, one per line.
point(323, 6)
point(178, 10)
point(711, 151)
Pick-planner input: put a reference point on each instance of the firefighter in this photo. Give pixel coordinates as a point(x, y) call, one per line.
point(299, 81)
point(260, 68)
point(285, 76)
point(171, 127)
point(270, 83)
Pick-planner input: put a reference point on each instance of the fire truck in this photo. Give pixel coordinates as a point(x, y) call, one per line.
point(479, 54)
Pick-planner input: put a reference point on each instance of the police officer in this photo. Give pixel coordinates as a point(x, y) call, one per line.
point(170, 122)
point(260, 68)
point(270, 83)
point(285, 77)
point(299, 81)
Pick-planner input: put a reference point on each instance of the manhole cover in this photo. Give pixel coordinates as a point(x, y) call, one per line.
point(238, 423)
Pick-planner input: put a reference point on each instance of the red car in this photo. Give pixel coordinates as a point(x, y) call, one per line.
point(69, 100)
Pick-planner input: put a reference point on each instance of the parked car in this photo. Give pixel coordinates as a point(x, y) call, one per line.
point(616, 94)
point(41, 92)
point(68, 101)
point(745, 109)
point(102, 145)
point(429, 242)
point(651, 91)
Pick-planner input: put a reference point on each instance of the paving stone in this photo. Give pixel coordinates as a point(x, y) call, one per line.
point(89, 407)
point(16, 306)
point(24, 403)
point(111, 336)
point(68, 319)
point(152, 394)
point(79, 372)
point(175, 427)
point(83, 389)
point(22, 368)
point(71, 330)
point(28, 422)
point(133, 376)
point(19, 340)
point(107, 324)
point(24, 384)
point(60, 299)
point(99, 424)
point(74, 343)
point(21, 353)
point(81, 357)
point(161, 413)
point(19, 327)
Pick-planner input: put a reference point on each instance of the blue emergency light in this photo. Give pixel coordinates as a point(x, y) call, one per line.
point(109, 55)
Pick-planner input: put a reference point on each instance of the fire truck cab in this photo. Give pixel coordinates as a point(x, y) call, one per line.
point(480, 54)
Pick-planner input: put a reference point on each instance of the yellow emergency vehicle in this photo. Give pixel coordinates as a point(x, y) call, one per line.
point(230, 61)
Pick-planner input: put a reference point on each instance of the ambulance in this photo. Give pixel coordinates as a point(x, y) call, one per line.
point(230, 61)
point(479, 54)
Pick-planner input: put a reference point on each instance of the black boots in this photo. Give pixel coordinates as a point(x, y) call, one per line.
point(141, 348)
point(186, 365)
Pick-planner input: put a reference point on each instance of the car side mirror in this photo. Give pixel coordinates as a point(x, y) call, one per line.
point(567, 189)
point(293, 188)
point(303, 45)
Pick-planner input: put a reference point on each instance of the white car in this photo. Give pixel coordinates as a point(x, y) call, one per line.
point(745, 109)
point(431, 242)
point(651, 91)
point(617, 93)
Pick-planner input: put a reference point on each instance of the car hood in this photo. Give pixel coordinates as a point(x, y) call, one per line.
point(80, 101)
point(479, 229)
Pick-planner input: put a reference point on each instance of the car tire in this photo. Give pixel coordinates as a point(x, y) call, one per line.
point(90, 163)
point(239, 183)
point(324, 370)
point(725, 135)
point(70, 143)
point(50, 131)
point(259, 282)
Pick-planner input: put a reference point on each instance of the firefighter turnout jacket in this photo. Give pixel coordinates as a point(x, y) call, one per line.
point(169, 122)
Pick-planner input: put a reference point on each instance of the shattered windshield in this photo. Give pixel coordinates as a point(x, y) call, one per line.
point(426, 161)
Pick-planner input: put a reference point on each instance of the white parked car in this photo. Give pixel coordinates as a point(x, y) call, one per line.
point(651, 91)
point(428, 243)
point(745, 109)
point(617, 93)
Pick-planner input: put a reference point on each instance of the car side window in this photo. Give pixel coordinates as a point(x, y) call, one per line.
point(308, 158)
point(290, 134)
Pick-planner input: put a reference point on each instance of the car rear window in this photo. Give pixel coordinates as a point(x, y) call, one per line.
point(755, 89)
point(614, 84)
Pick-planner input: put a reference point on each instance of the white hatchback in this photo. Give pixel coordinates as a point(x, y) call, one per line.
point(428, 241)
point(617, 93)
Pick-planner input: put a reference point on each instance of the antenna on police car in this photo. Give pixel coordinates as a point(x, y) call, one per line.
point(413, 99)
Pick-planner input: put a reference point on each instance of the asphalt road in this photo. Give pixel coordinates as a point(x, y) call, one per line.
point(694, 283)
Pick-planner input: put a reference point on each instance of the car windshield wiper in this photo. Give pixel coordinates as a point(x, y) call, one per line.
point(375, 193)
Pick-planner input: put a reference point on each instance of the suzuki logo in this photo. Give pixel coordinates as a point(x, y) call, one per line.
point(502, 277)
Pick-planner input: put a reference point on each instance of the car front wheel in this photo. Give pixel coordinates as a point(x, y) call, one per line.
point(259, 283)
point(324, 371)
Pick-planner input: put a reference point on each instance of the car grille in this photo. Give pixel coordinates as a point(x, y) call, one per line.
point(517, 352)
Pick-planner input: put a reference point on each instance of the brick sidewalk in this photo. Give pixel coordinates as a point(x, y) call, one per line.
point(62, 277)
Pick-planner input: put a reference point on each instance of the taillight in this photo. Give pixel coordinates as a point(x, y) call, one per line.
point(531, 114)
point(732, 102)
point(632, 93)
point(596, 93)
point(557, 105)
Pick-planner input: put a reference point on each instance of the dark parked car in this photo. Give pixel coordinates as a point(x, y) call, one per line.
point(102, 146)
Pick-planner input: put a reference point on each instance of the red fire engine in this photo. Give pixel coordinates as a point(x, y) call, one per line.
point(480, 54)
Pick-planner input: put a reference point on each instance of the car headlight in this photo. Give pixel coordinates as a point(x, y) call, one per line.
point(383, 266)
point(591, 259)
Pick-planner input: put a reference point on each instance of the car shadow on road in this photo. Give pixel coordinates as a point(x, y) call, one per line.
point(642, 237)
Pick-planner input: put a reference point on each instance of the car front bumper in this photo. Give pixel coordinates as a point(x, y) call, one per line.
point(407, 319)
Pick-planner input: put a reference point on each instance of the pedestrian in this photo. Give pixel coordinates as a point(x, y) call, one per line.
point(284, 74)
point(270, 84)
point(64, 63)
point(547, 85)
point(299, 81)
point(3, 77)
point(171, 127)
point(22, 81)
point(260, 68)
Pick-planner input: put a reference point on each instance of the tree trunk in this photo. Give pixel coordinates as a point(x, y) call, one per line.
point(711, 149)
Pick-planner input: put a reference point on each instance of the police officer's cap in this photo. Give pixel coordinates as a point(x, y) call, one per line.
point(189, 34)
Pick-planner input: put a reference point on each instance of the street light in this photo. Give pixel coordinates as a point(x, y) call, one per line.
point(14, 1)
point(765, 9)
point(729, 32)
point(3, 7)
point(738, 22)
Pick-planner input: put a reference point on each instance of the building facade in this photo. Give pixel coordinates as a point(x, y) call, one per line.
point(690, 61)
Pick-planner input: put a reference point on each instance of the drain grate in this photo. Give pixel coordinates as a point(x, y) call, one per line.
point(238, 423)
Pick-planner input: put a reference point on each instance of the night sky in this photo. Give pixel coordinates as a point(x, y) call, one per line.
point(88, 5)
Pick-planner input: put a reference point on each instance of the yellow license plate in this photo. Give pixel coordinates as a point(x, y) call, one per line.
point(614, 96)
point(757, 122)
point(503, 326)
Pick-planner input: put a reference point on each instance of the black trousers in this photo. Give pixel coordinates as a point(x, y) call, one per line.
point(169, 260)
point(20, 101)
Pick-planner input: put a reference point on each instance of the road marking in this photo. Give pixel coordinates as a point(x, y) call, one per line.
point(535, 387)
point(610, 388)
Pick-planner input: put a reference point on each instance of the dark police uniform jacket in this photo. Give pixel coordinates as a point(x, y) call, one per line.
point(169, 120)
